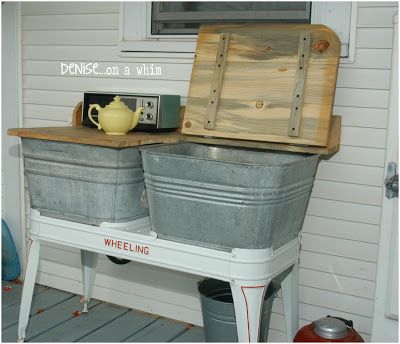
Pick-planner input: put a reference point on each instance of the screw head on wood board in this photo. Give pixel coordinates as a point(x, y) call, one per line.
point(259, 104)
point(188, 124)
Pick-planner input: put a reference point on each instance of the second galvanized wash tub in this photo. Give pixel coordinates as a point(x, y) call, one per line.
point(84, 183)
point(227, 197)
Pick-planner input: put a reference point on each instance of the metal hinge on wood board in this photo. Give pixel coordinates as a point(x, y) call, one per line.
point(298, 91)
point(392, 181)
point(216, 85)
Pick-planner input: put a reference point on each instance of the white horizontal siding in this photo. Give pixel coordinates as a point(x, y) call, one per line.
point(362, 98)
point(341, 229)
point(337, 265)
point(144, 85)
point(337, 283)
point(379, 4)
point(367, 17)
point(350, 173)
point(370, 59)
point(360, 156)
point(371, 37)
point(341, 210)
point(50, 8)
point(32, 123)
point(68, 37)
point(365, 117)
point(364, 78)
point(97, 21)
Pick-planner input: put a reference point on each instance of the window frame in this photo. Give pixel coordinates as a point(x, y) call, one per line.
point(137, 41)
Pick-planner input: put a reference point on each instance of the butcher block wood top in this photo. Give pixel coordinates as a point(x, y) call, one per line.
point(93, 136)
point(264, 84)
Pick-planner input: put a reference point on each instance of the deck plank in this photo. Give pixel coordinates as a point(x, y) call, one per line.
point(40, 302)
point(12, 296)
point(42, 322)
point(193, 335)
point(121, 328)
point(78, 327)
point(162, 330)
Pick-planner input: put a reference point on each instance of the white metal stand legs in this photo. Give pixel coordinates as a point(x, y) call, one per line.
point(291, 302)
point(248, 271)
point(89, 263)
point(29, 285)
point(248, 298)
point(290, 296)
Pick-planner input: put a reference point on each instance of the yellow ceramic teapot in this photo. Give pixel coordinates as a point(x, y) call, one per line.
point(115, 118)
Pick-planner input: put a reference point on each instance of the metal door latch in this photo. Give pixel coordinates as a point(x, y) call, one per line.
point(392, 181)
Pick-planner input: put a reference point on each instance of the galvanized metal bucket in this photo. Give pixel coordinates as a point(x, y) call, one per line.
point(227, 197)
point(82, 183)
point(219, 312)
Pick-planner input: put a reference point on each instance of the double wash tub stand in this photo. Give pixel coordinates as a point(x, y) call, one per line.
point(249, 271)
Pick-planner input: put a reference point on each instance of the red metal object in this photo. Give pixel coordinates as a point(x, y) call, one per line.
point(307, 334)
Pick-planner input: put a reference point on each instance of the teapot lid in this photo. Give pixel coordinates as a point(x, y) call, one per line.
point(117, 102)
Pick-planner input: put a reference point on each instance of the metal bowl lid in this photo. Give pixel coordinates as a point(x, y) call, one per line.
point(330, 328)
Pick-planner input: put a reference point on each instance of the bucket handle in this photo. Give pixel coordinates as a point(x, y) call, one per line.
point(200, 282)
point(348, 323)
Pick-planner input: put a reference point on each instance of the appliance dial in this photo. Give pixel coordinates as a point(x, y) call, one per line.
point(149, 104)
point(149, 116)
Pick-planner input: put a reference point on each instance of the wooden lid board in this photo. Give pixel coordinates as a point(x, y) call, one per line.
point(263, 82)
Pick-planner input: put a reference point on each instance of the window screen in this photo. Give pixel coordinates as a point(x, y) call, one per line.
point(184, 18)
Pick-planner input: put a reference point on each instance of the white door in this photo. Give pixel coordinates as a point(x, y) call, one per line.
point(385, 320)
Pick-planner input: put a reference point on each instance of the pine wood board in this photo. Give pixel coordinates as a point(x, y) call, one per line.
point(261, 66)
point(77, 115)
point(93, 136)
point(332, 147)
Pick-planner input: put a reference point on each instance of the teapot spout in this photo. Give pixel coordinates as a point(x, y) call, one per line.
point(136, 116)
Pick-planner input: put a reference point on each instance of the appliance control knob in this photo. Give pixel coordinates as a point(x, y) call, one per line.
point(149, 116)
point(149, 104)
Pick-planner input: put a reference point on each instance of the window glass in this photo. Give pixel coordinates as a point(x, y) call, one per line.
point(174, 18)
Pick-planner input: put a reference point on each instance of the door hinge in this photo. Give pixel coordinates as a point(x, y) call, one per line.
point(392, 181)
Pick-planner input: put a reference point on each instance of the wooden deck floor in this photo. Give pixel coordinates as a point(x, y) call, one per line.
point(55, 318)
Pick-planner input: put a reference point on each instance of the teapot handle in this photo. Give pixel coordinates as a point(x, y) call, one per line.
point(136, 116)
point(97, 107)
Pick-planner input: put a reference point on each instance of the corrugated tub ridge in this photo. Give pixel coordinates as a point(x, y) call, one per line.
point(181, 188)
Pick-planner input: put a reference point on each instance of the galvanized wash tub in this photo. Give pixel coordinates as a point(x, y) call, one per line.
point(226, 197)
point(84, 183)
